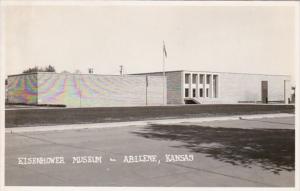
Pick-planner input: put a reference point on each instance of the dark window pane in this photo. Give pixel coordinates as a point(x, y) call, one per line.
point(187, 78)
point(201, 78)
point(201, 92)
point(194, 78)
point(186, 92)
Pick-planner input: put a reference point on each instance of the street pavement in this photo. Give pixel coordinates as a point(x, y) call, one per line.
point(256, 152)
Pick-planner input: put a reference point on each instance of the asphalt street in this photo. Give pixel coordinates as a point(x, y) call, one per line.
point(239, 153)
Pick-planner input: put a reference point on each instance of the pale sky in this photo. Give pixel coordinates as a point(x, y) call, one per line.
point(249, 39)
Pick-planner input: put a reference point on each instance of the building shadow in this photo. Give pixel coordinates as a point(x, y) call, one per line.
point(272, 149)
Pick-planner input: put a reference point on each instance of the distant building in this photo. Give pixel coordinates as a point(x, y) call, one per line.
point(177, 87)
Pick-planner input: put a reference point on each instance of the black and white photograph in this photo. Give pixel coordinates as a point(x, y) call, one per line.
point(149, 95)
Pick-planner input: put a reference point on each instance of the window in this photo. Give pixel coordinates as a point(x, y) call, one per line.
point(201, 79)
point(186, 93)
point(194, 79)
point(187, 78)
point(201, 92)
point(194, 92)
point(207, 92)
point(208, 79)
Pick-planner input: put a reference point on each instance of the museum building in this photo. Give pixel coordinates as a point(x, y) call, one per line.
point(147, 89)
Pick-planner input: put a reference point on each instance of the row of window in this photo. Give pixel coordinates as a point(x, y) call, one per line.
point(187, 92)
point(194, 78)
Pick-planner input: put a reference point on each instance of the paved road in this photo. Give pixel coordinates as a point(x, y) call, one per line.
point(258, 155)
point(54, 116)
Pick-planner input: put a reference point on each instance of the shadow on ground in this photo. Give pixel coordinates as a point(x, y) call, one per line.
point(272, 149)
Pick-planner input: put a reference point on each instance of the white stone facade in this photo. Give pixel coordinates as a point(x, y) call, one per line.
point(224, 88)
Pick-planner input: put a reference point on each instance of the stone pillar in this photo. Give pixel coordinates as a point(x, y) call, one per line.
point(211, 86)
point(190, 86)
point(197, 86)
point(204, 86)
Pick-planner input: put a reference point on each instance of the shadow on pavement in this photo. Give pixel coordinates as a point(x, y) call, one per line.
point(272, 149)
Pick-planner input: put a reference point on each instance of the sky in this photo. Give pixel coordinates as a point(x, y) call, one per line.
point(246, 39)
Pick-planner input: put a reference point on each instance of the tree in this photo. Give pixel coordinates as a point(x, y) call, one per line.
point(49, 69)
point(31, 70)
point(37, 69)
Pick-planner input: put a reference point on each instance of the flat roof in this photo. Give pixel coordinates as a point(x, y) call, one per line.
point(145, 73)
point(191, 71)
point(66, 73)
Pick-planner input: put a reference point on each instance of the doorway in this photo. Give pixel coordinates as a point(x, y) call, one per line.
point(264, 91)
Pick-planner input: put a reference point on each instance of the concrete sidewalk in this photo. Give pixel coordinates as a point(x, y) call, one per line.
point(141, 123)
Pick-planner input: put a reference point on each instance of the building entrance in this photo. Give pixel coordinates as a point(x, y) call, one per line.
point(264, 91)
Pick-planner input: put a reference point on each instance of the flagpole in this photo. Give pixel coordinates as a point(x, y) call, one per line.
point(164, 74)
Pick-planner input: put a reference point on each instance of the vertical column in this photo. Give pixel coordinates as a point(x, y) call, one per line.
point(190, 85)
point(201, 85)
point(218, 86)
point(204, 86)
point(212, 86)
point(197, 86)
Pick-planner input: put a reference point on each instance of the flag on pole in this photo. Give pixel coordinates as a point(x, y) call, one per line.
point(164, 74)
point(164, 49)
